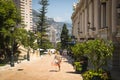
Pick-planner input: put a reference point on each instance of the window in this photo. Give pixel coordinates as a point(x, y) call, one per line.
point(118, 14)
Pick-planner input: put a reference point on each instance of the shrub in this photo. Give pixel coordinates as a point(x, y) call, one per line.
point(96, 75)
point(78, 50)
point(78, 66)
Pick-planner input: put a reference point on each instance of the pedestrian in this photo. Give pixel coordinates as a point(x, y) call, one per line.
point(49, 52)
point(57, 60)
point(61, 51)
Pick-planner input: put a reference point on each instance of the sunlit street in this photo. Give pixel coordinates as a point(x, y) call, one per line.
point(39, 68)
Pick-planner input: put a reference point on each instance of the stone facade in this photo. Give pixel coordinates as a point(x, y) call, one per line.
point(93, 19)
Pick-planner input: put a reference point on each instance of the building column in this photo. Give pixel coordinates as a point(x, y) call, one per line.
point(78, 39)
point(86, 23)
point(96, 16)
point(91, 18)
point(114, 16)
point(109, 18)
point(87, 18)
point(83, 23)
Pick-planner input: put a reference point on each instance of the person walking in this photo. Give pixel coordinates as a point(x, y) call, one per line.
point(49, 52)
point(57, 59)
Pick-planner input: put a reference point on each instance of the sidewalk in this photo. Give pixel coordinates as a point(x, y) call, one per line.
point(7, 66)
point(40, 69)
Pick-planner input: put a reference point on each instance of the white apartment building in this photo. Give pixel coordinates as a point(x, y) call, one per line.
point(25, 7)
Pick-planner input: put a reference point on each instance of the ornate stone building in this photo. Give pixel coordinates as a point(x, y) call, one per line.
point(93, 19)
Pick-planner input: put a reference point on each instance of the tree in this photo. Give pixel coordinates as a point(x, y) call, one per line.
point(58, 46)
point(9, 18)
point(64, 36)
point(97, 51)
point(42, 25)
point(78, 50)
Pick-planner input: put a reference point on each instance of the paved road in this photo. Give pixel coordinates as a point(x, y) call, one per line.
point(39, 69)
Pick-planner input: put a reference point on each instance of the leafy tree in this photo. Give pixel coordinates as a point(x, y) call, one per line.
point(97, 51)
point(79, 50)
point(64, 36)
point(48, 45)
point(42, 25)
point(20, 36)
point(58, 45)
point(9, 18)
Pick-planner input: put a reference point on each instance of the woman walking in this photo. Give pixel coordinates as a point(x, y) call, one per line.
point(57, 60)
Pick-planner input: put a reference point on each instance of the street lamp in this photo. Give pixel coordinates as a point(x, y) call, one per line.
point(12, 49)
point(73, 40)
point(28, 55)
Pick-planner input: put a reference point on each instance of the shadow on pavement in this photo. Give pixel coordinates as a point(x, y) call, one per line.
point(53, 71)
point(20, 69)
point(69, 59)
point(73, 72)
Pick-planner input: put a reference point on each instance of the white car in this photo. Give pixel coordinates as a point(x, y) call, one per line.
point(51, 50)
point(45, 52)
point(41, 49)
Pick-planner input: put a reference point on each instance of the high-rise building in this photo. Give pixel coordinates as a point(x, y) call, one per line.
point(25, 7)
point(52, 33)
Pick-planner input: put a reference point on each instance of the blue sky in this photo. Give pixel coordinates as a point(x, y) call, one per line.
point(60, 10)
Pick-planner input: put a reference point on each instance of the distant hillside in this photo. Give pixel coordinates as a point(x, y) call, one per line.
point(57, 25)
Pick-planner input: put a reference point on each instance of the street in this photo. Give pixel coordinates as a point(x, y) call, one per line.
point(39, 68)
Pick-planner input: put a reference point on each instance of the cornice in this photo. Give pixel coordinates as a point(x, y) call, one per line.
point(79, 7)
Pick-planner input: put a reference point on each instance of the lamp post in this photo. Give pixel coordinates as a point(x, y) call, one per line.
point(12, 49)
point(28, 55)
point(73, 40)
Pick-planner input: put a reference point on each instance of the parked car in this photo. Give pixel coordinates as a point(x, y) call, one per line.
point(51, 50)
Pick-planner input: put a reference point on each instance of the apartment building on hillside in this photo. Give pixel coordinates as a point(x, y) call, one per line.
point(25, 7)
point(93, 19)
point(51, 32)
